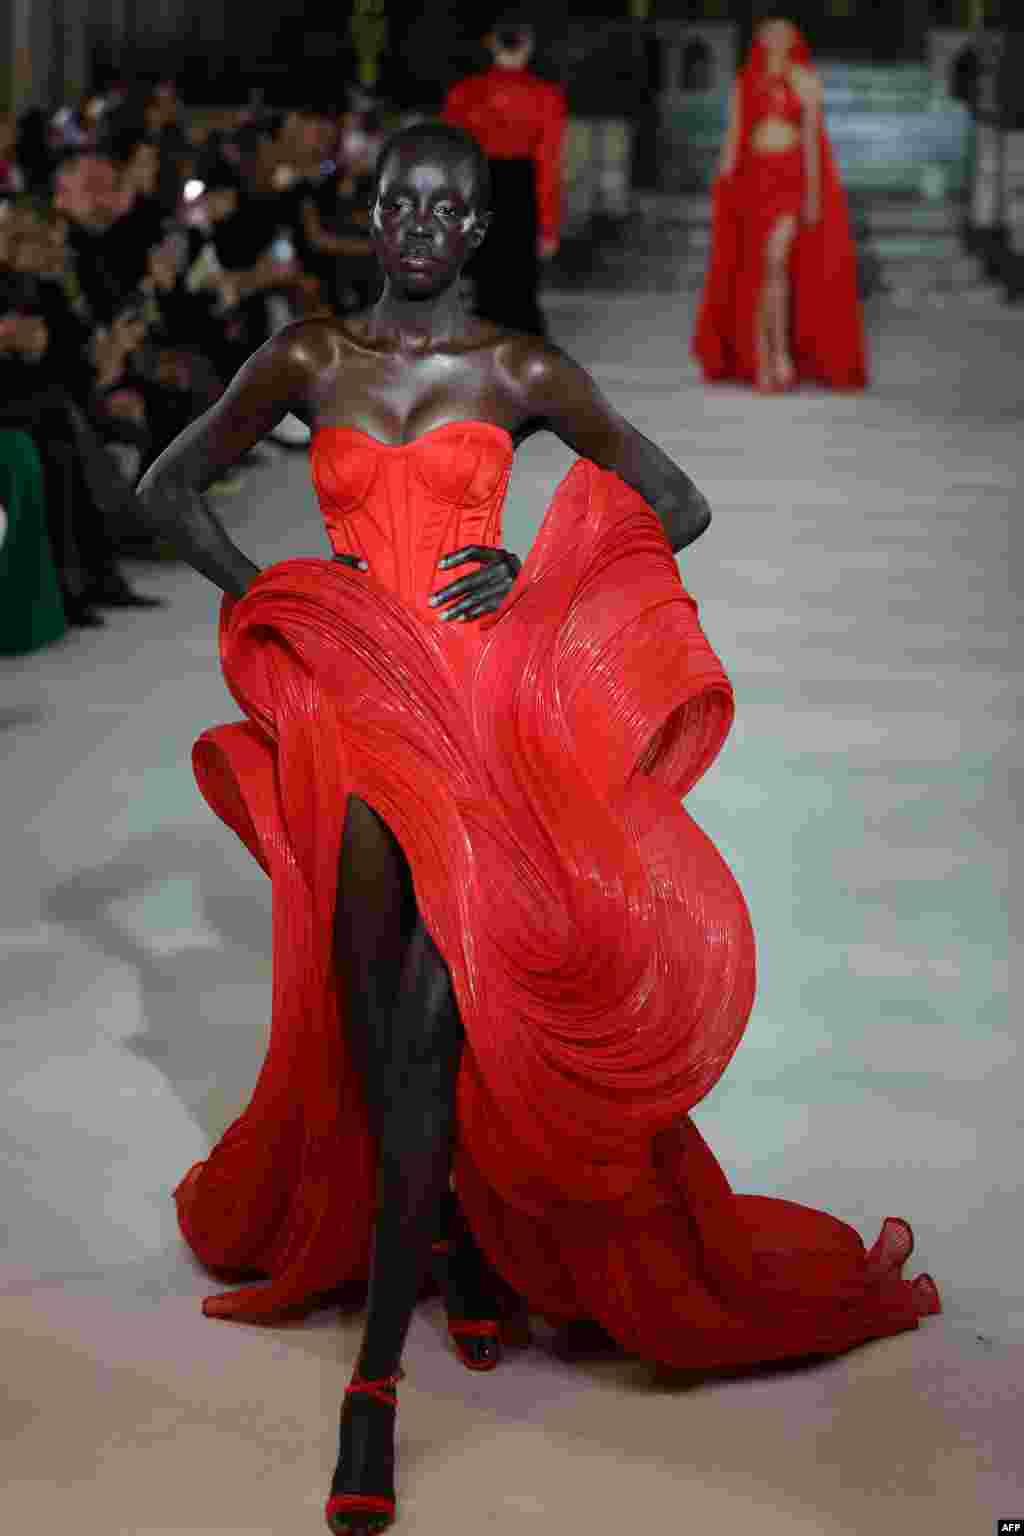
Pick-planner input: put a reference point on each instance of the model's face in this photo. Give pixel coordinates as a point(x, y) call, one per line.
point(777, 35)
point(425, 220)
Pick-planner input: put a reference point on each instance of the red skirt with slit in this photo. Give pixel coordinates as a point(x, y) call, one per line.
point(600, 950)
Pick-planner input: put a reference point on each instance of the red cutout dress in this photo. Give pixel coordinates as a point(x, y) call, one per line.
point(827, 330)
point(531, 765)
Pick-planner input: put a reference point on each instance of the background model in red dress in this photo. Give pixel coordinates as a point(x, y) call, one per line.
point(780, 302)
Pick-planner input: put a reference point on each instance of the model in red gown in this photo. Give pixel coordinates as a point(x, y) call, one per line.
point(601, 952)
point(581, 965)
point(788, 208)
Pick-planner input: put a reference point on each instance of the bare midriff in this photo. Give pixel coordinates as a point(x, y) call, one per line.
point(773, 136)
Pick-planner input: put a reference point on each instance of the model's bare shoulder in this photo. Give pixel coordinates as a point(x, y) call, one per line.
point(532, 366)
point(309, 346)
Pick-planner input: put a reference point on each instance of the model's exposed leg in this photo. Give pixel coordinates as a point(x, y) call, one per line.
point(374, 919)
point(776, 300)
point(406, 1039)
point(413, 1081)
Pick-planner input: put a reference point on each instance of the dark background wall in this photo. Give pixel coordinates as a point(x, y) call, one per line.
point(293, 49)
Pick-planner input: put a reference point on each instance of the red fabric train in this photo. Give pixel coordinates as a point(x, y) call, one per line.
point(826, 323)
point(531, 766)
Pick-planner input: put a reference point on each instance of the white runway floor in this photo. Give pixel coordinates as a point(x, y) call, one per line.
point(857, 582)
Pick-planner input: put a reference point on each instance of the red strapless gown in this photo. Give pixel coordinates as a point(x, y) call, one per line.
point(531, 766)
point(827, 341)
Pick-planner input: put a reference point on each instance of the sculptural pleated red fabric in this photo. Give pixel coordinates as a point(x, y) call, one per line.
point(827, 327)
point(531, 765)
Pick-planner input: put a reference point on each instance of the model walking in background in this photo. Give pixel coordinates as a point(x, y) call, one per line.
point(519, 121)
point(780, 302)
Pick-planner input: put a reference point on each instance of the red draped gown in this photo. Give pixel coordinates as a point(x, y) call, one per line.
point(826, 323)
point(531, 765)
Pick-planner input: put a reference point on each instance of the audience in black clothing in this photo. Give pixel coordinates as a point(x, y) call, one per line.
point(138, 269)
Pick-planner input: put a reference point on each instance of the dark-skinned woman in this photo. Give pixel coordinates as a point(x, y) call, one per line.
point(503, 952)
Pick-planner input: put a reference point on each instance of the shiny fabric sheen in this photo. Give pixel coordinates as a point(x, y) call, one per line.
point(531, 766)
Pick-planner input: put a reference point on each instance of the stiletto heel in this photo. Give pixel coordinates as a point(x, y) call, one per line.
point(349, 1512)
point(463, 1275)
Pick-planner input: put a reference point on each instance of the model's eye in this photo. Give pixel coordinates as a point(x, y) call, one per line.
point(447, 210)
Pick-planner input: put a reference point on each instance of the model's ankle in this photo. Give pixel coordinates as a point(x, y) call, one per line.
point(377, 1368)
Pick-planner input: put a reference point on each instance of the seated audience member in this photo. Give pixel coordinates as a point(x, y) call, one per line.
point(128, 266)
point(88, 192)
point(31, 610)
point(335, 241)
point(245, 241)
point(162, 114)
point(41, 365)
point(140, 224)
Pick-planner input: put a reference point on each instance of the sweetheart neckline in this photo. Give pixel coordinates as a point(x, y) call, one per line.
point(445, 426)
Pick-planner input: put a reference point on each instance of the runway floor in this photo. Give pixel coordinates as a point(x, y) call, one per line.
point(857, 582)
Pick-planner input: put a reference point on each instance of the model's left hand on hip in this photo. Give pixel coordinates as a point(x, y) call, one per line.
point(482, 591)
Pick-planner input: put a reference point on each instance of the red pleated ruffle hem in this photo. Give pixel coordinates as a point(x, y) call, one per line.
point(601, 953)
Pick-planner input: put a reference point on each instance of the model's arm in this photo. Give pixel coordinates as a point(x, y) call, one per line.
point(279, 378)
point(558, 394)
point(808, 88)
point(731, 142)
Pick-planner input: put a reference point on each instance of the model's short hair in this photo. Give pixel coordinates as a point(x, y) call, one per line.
point(441, 135)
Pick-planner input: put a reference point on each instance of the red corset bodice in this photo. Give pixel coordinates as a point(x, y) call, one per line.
point(402, 506)
point(774, 96)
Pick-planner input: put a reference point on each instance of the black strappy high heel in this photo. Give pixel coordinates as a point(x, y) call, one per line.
point(348, 1510)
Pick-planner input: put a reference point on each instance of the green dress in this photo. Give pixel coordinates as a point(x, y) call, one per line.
point(31, 609)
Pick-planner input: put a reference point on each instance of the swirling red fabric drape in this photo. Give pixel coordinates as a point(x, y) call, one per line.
point(600, 950)
point(827, 328)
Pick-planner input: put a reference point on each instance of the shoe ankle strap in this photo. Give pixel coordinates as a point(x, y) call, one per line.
point(383, 1389)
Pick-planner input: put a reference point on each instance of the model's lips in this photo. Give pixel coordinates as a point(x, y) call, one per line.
point(417, 259)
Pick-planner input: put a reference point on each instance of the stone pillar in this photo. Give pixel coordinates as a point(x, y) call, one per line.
point(988, 190)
